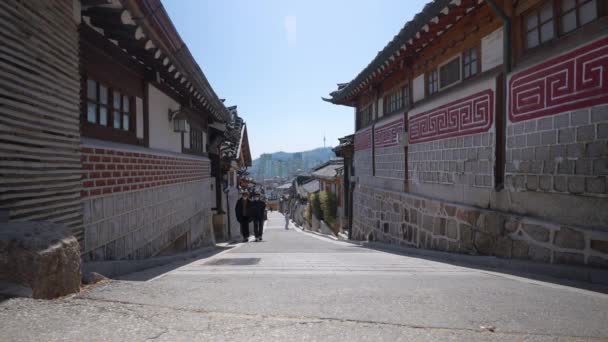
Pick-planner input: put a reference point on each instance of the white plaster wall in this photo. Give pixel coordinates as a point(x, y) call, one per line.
point(418, 88)
point(161, 129)
point(139, 108)
point(380, 108)
point(488, 82)
point(491, 50)
point(187, 136)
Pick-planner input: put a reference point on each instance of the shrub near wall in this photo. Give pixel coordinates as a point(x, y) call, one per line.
point(316, 206)
point(328, 206)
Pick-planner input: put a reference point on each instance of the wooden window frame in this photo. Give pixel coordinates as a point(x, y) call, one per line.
point(368, 119)
point(557, 18)
point(121, 110)
point(389, 99)
point(196, 136)
point(108, 132)
point(430, 80)
point(477, 50)
point(459, 80)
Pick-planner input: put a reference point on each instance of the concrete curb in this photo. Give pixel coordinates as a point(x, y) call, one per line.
point(116, 268)
point(491, 263)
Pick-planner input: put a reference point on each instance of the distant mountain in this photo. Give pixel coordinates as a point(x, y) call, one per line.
point(285, 164)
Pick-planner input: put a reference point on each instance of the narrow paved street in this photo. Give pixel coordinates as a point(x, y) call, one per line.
point(297, 286)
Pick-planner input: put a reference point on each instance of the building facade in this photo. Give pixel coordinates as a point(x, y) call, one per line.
point(118, 123)
point(481, 128)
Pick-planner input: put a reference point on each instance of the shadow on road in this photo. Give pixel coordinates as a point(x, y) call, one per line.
point(154, 272)
point(585, 278)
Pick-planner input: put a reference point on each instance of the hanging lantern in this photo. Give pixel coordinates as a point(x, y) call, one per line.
point(179, 120)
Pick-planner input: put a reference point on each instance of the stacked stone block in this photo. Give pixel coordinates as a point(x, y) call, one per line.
point(139, 224)
point(390, 162)
point(465, 160)
point(563, 153)
point(408, 220)
point(363, 162)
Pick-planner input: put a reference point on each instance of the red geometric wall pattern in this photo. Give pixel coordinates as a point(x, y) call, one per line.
point(469, 115)
point(363, 139)
point(568, 82)
point(388, 135)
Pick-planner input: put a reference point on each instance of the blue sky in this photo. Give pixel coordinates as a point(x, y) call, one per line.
point(274, 59)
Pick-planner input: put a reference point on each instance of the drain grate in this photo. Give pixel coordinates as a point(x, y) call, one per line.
point(234, 262)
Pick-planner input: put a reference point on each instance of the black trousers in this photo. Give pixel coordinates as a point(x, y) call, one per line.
point(245, 228)
point(258, 228)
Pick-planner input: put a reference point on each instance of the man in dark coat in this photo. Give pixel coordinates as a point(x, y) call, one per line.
point(243, 210)
point(258, 216)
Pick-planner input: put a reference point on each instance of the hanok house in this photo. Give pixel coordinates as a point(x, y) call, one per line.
point(236, 158)
point(329, 175)
point(482, 128)
point(107, 122)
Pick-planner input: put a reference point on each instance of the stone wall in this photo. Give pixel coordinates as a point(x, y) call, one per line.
point(139, 224)
point(467, 160)
point(565, 153)
point(389, 154)
point(557, 132)
point(137, 202)
point(363, 158)
point(408, 220)
point(452, 140)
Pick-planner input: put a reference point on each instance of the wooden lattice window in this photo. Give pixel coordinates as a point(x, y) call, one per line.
point(432, 81)
point(470, 62)
point(539, 25)
point(576, 13)
point(394, 101)
point(105, 105)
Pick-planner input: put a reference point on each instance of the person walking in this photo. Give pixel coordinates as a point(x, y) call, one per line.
point(286, 219)
point(259, 211)
point(242, 210)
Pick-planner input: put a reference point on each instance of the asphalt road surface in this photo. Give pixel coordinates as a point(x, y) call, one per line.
point(295, 286)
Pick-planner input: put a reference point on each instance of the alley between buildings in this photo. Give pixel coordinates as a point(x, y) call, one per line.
point(296, 285)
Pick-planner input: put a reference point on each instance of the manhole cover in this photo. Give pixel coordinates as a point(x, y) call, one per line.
point(234, 262)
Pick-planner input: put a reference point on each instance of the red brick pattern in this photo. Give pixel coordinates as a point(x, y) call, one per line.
point(106, 171)
point(578, 79)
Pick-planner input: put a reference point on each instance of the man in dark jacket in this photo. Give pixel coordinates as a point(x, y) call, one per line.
point(242, 211)
point(258, 215)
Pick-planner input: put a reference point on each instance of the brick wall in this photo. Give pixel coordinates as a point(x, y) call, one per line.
point(412, 221)
point(107, 170)
point(139, 201)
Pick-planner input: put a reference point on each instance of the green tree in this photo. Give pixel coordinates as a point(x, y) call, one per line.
point(316, 206)
point(328, 206)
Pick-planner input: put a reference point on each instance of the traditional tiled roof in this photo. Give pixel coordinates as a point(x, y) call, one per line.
point(436, 17)
point(235, 133)
point(330, 169)
point(144, 30)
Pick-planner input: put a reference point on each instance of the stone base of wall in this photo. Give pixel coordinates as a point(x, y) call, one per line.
point(409, 220)
point(140, 224)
